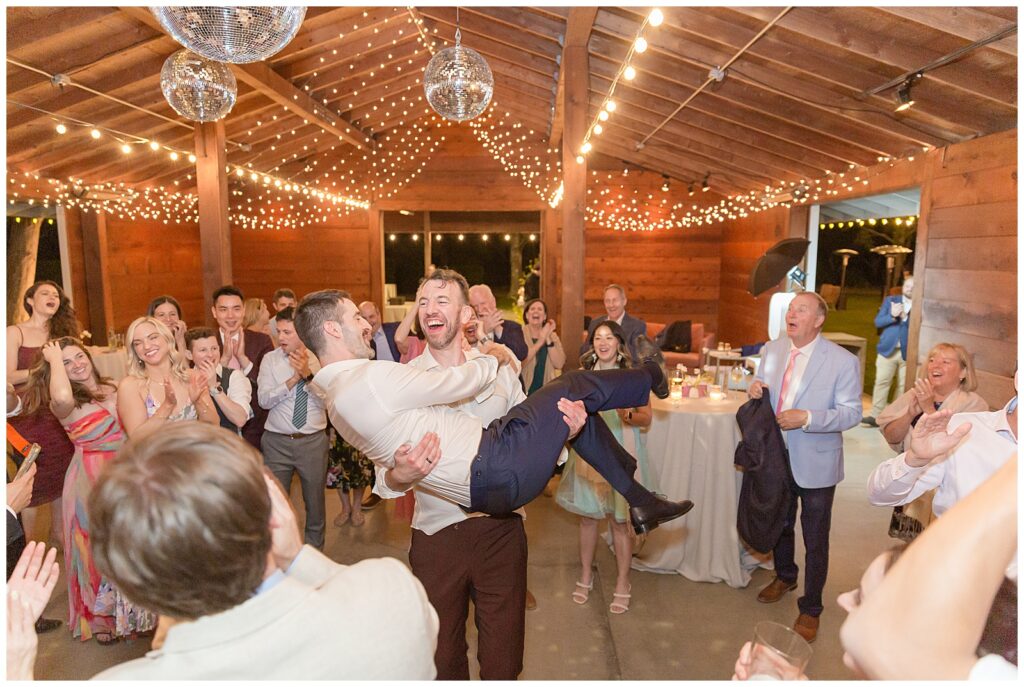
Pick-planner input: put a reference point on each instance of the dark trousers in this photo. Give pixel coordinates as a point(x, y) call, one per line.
point(518, 451)
point(306, 455)
point(816, 521)
point(483, 559)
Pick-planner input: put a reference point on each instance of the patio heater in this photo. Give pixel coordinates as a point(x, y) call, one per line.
point(893, 255)
point(846, 254)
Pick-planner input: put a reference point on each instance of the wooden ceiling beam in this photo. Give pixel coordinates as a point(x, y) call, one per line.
point(578, 28)
point(53, 26)
point(837, 27)
point(805, 89)
point(261, 77)
point(763, 85)
point(963, 22)
point(487, 45)
point(354, 57)
point(310, 42)
point(524, 20)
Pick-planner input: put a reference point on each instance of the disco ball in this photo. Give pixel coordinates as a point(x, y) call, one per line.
point(458, 83)
point(197, 88)
point(231, 34)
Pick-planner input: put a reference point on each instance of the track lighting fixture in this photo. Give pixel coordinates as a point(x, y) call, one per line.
point(690, 189)
point(665, 182)
point(904, 101)
point(704, 186)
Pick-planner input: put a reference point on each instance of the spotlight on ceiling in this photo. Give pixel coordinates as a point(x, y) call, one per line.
point(704, 186)
point(665, 182)
point(904, 100)
point(690, 189)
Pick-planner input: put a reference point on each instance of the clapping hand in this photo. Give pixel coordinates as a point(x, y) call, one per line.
point(930, 440)
point(924, 396)
point(198, 382)
point(170, 398)
point(492, 320)
point(299, 360)
point(547, 330)
point(209, 369)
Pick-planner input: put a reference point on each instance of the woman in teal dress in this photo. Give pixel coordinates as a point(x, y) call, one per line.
point(584, 492)
point(544, 355)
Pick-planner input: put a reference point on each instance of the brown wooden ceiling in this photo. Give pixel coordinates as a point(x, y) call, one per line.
point(789, 108)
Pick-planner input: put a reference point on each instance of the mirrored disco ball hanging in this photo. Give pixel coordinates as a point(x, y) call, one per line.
point(197, 88)
point(231, 34)
point(458, 82)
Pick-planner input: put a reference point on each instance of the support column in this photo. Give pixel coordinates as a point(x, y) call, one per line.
point(428, 244)
point(22, 254)
point(97, 275)
point(214, 230)
point(574, 199)
point(376, 232)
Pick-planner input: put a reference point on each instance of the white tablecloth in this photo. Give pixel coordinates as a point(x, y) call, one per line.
point(690, 451)
point(110, 363)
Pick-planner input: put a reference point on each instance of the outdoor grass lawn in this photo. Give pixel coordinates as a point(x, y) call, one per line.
point(859, 319)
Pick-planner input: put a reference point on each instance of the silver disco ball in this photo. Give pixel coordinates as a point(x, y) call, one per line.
point(197, 88)
point(458, 83)
point(231, 34)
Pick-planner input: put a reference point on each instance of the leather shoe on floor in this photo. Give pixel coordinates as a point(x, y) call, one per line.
point(774, 591)
point(648, 352)
point(806, 626)
point(44, 625)
point(646, 518)
point(531, 601)
point(371, 501)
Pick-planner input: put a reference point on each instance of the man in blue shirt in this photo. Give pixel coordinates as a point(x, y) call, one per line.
point(893, 321)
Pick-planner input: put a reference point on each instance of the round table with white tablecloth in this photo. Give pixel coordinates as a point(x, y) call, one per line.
point(109, 362)
point(690, 449)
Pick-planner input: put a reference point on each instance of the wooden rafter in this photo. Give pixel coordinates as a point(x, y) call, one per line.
point(577, 33)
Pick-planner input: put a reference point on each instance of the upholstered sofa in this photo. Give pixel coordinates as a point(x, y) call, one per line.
point(698, 339)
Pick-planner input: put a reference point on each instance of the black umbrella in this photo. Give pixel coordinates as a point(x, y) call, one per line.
point(776, 263)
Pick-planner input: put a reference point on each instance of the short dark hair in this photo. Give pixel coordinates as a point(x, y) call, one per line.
point(451, 277)
point(227, 290)
point(286, 315)
point(199, 333)
point(283, 293)
point(180, 520)
point(160, 300)
point(315, 309)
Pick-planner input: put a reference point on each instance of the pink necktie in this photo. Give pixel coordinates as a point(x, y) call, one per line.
point(786, 377)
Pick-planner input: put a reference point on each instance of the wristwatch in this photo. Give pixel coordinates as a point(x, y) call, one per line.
point(216, 391)
point(629, 415)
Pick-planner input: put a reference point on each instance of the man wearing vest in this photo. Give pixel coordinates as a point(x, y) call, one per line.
point(230, 389)
point(294, 439)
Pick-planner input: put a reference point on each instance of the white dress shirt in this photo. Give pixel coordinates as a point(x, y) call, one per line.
point(378, 406)
point(433, 512)
point(988, 446)
point(380, 339)
point(239, 389)
point(275, 396)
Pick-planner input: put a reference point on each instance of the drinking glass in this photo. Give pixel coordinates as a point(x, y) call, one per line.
point(778, 653)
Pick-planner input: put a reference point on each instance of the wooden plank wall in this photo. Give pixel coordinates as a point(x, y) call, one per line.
point(72, 220)
point(149, 259)
point(333, 255)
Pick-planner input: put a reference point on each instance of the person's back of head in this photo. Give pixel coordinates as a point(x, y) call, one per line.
point(180, 521)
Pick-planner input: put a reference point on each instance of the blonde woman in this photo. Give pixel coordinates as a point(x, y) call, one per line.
point(159, 387)
point(256, 316)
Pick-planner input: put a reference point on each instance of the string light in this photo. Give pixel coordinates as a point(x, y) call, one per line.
point(61, 128)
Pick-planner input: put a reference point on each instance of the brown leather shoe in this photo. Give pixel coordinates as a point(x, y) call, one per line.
point(806, 626)
point(774, 591)
point(531, 601)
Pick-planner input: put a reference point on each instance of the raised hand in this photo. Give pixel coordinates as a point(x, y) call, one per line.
point(197, 384)
point(299, 360)
point(22, 642)
point(413, 463)
point(209, 368)
point(492, 321)
point(930, 441)
point(924, 396)
point(34, 577)
point(52, 353)
point(547, 330)
point(170, 398)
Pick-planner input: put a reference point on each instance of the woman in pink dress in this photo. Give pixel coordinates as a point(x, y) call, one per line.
point(66, 382)
point(50, 317)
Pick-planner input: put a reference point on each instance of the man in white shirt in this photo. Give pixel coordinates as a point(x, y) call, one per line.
point(379, 406)
point(295, 439)
point(459, 556)
point(953, 472)
point(230, 389)
point(222, 556)
point(815, 388)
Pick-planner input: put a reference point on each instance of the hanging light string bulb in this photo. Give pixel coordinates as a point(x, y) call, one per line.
point(626, 72)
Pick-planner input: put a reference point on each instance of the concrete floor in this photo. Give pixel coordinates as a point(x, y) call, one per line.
point(675, 630)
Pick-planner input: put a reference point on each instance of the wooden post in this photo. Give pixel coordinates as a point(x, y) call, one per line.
point(574, 199)
point(21, 254)
point(376, 232)
point(97, 275)
point(550, 263)
point(932, 161)
point(214, 230)
point(428, 244)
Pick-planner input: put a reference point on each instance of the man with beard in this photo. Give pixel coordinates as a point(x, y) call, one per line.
point(459, 556)
point(379, 406)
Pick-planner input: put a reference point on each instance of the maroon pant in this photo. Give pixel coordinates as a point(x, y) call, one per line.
point(483, 559)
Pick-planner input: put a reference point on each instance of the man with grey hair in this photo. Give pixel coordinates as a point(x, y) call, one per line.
point(493, 323)
point(382, 340)
point(893, 323)
point(615, 310)
point(814, 387)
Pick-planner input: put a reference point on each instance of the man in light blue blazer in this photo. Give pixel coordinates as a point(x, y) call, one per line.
point(815, 387)
point(893, 322)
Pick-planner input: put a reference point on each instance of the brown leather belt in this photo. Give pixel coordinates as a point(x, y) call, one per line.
point(296, 435)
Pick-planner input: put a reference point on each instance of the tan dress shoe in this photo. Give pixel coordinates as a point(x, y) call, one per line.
point(775, 590)
point(531, 601)
point(807, 627)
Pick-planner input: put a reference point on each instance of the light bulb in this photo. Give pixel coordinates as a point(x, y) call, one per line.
point(192, 158)
point(598, 129)
point(602, 115)
point(95, 133)
point(125, 148)
point(610, 106)
point(640, 45)
point(629, 74)
point(61, 129)
point(153, 145)
point(656, 17)
point(586, 147)
point(174, 155)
